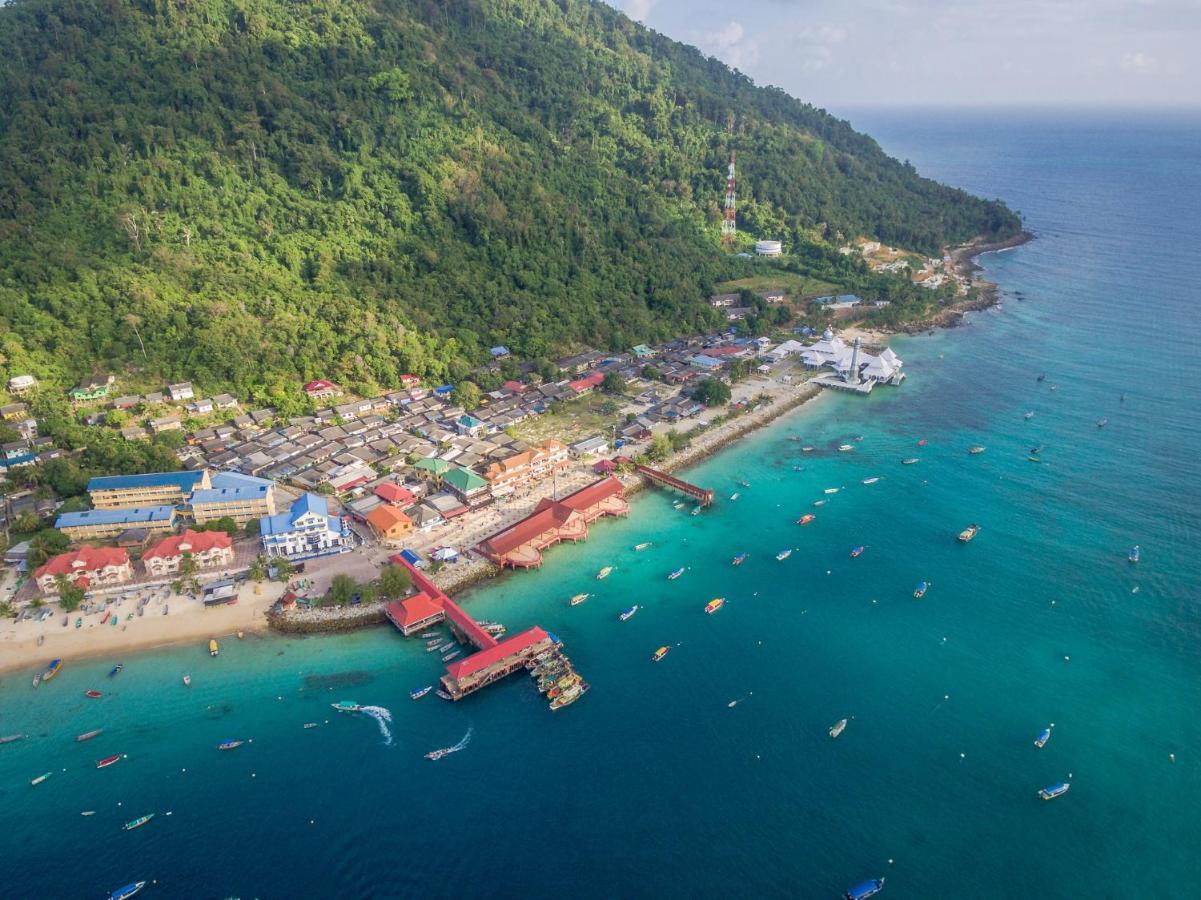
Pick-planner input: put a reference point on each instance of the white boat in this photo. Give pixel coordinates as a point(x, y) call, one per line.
point(838, 728)
point(629, 613)
point(735, 495)
point(832, 490)
point(604, 573)
point(871, 480)
point(642, 546)
point(845, 448)
point(784, 554)
point(820, 502)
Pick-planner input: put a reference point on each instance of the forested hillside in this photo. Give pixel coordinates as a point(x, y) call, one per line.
point(242, 192)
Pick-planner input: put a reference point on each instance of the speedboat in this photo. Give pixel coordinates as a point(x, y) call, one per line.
point(116, 670)
point(124, 893)
point(968, 533)
point(137, 823)
point(41, 778)
point(108, 761)
point(676, 573)
point(604, 573)
point(1055, 790)
point(820, 502)
point(871, 480)
point(213, 648)
point(642, 546)
point(845, 448)
point(629, 613)
point(806, 519)
point(230, 745)
point(920, 590)
point(866, 889)
point(1036, 450)
point(738, 560)
point(187, 681)
point(1029, 415)
point(95, 695)
point(857, 551)
point(1043, 737)
point(420, 692)
point(1135, 554)
point(911, 461)
point(579, 598)
point(838, 728)
point(806, 449)
point(441, 693)
point(438, 754)
point(976, 449)
point(308, 725)
point(53, 669)
point(659, 654)
point(88, 735)
point(735, 495)
point(784, 554)
point(831, 490)
point(9, 738)
point(346, 706)
point(715, 604)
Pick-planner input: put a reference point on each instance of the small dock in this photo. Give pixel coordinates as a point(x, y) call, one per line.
point(704, 496)
point(555, 676)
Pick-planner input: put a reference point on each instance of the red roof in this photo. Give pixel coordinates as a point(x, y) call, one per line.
point(196, 541)
point(594, 493)
point(604, 466)
point(723, 351)
point(394, 493)
point(461, 668)
point(319, 384)
point(412, 610)
point(85, 559)
point(407, 380)
point(547, 516)
point(515, 386)
point(591, 380)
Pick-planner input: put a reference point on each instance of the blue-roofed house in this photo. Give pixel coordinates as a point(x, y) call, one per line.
point(445, 390)
point(470, 425)
point(150, 489)
point(704, 361)
point(305, 531)
point(105, 523)
point(499, 352)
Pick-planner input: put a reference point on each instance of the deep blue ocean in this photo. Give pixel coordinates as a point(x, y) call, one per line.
point(652, 785)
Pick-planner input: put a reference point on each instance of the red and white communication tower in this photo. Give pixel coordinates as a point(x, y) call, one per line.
point(728, 228)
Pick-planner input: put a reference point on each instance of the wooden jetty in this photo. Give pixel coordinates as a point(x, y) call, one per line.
point(702, 495)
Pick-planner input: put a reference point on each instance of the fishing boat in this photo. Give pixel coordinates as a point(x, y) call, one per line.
point(108, 761)
point(784, 554)
point(451, 655)
point(629, 613)
point(715, 604)
point(124, 893)
point(911, 461)
point(735, 495)
point(831, 490)
point(1101, 423)
point(976, 449)
point(920, 590)
point(569, 697)
point(95, 695)
point(857, 551)
point(696, 511)
point(738, 560)
point(88, 735)
point(116, 670)
point(346, 706)
point(308, 725)
point(432, 647)
point(1135, 554)
point(604, 573)
point(420, 692)
point(445, 645)
point(845, 448)
point(53, 669)
point(871, 480)
point(642, 546)
point(968, 533)
point(441, 693)
point(230, 745)
point(213, 648)
point(10, 738)
point(187, 681)
point(659, 654)
point(137, 823)
point(820, 502)
point(865, 889)
point(675, 573)
point(41, 778)
point(1043, 737)
point(578, 599)
point(1036, 450)
point(806, 519)
point(1055, 790)
point(430, 634)
point(838, 728)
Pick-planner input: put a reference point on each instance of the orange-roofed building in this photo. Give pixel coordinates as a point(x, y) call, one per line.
point(209, 549)
point(87, 567)
point(522, 469)
point(389, 523)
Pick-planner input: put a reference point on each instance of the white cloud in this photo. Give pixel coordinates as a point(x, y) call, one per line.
point(637, 10)
point(731, 44)
point(1139, 63)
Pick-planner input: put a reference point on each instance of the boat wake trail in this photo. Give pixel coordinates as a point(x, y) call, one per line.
point(383, 717)
point(446, 751)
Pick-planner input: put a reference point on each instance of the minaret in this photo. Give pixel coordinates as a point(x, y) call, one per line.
point(853, 372)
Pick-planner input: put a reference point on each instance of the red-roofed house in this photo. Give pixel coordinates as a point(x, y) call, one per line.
point(515, 386)
point(209, 549)
point(414, 613)
point(587, 384)
point(393, 493)
point(86, 567)
point(320, 389)
point(409, 381)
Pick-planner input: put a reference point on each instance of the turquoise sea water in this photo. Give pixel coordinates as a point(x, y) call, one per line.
point(652, 784)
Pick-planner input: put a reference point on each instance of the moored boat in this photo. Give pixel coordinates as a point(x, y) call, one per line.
point(1101, 423)
point(738, 560)
point(346, 706)
point(56, 666)
point(1043, 737)
point(642, 546)
point(871, 480)
point(41, 778)
point(744, 483)
point(715, 604)
point(95, 695)
point(968, 533)
point(920, 590)
point(420, 692)
point(831, 490)
point(441, 693)
point(578, 599)
point(864, 889)
point(604, 573)
point(569, 697)
point(838, 728)
point(451, 655)
point(213, 648)
point(37, 679)
point(137, 823)
point(660, 653)
point(116, 670)
point(696, 511)
point(845, 448)
point(124, 893)
point(806, 519)
point(230, 745)
point(88, 735)
point(784, 554)
point(1054, 790)
point(857, 551)
point(187, 681)
point(911, 461)
point(108, 761)
point(675, 573)
point(10, 738)
point(430, 634)
point(806, 449)
point(735, 495)
point(629, 613)
point(820, 502)
point(1135, 554)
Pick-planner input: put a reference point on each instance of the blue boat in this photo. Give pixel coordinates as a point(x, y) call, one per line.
point(868, 888)
point(1043, 737)
point(230, 745)
point(1055, 790)
point(676, 574)
point(116, 670)
point(920, 590)
point(123, 893)
point(420, 692)
point(1135, 553)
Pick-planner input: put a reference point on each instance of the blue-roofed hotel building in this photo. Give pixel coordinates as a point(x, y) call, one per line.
point(239, 497)
point(151, 489)
point(94, 524)
point(305, 531)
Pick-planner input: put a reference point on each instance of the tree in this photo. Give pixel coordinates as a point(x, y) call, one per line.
point(394, 582)
point(283, 568)
point(70, 596)
point(26, 522)
point(650, 373)
point(43, 545)
point(613, 383)
point(258, 569)
point(660, 448)
point(226, 524)
point(740, 369)
point(341, 589)
point(468, 394)
point(711, 392)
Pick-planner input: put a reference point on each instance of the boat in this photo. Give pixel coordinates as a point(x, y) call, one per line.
point(806, 519)
point(1101, 423)
point(187, 681)
point(676, 573)
point(806, 449)
point(230, 745)
point(430, 634)
point(976, 449)
point(642, 546)
point(659, 654)
point(831, 490)
point(41, 778)
point(629, 613)
point(871, 480)
point(696, 511)
point(1135, 554)
point(451, 655)
point(116, 670)
point(87, 735)
point(41, 639)
point(308, 725)
point(1035, 459)
point(93, 694)
point(920, 590)
point(857, 551)
point(715, 604)
point(213, 648)
point(784, 554)
point(420, 692)
point(124, 893)
point(679, 504)
point(570, 697)
point(1042, 377)
point(838, 728)
point(137, 823)
point(911, 461)
point(1029, 415)
point(53, 669)
point(430, 648)
point(845, 448)
point(738, 560)
point(346, 706)
point(1043, 737)
point(864, 889)
point(578, 599)
point(37, 679)
point(604, 573)
point(735, 495)
point(820, 502)
point(10, 738)
point(445, 645)
point(1036, 450)
point(744, 483)
point(968, 533)
point(441, 693)
point(922, 442)
point(108, 761)
point(1055, 790)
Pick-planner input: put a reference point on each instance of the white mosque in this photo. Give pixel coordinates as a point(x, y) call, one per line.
point(852, 368)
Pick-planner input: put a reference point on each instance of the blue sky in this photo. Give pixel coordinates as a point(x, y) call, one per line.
point(840, 55)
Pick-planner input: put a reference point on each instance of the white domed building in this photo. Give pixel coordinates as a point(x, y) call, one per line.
point(769, 248)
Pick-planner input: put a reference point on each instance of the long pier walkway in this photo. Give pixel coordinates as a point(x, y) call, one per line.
point(703, 495)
